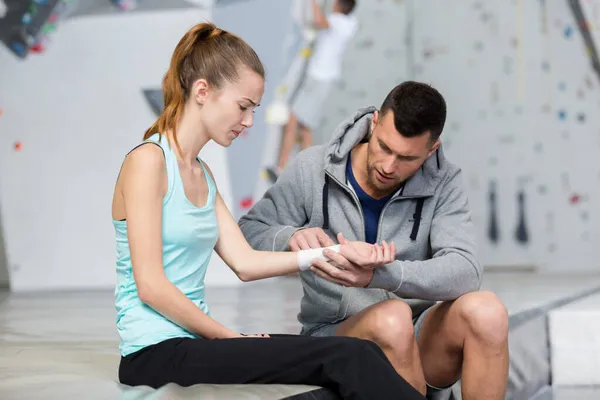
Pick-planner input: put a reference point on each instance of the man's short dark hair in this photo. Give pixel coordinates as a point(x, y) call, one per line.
point(347, 6)
point(417, 108)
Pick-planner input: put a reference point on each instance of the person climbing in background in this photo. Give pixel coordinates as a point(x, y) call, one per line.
point(324, 68)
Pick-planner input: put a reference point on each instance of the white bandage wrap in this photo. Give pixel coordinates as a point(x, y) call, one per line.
point(306, 257)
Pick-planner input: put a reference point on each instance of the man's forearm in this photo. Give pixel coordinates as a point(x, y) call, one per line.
point(441, 278)
point(319, 18)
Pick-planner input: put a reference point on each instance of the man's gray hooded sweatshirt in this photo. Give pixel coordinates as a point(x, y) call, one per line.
point(428, 219)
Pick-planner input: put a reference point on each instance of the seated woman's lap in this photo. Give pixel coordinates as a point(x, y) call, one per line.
point(284, 359)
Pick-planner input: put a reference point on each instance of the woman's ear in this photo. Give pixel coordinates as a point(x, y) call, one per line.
point(200, 91)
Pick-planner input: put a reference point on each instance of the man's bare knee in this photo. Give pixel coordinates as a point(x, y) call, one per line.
point(390, 325)
point(486, 317)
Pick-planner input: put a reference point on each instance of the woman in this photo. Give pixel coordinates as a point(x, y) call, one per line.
point(168, 218)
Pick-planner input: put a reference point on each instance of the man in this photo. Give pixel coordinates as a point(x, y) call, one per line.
point(384, 177)
point(324, 68)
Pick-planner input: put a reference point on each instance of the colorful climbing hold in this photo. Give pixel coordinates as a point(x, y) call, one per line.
point(18, 146)
point(246, 203)
point(305, 52)
point(568, 31)
point(562, 115)
point(575, 199)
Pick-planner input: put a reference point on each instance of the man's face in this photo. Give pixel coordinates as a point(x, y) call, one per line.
point(393, 158)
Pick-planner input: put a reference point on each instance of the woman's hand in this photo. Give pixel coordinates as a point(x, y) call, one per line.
point(258, 335)
point(365, 254)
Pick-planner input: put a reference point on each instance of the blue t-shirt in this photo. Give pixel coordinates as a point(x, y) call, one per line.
point(371, 207)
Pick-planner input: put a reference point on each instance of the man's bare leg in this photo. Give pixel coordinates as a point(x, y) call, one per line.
point(307, 138)
point(468, 337)
point(389, 324)
point(288, 141)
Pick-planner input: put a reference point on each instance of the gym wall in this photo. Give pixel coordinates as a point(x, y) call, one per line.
point(523, 118)
point(69, 116)
point(4, 281)
point(262, 23)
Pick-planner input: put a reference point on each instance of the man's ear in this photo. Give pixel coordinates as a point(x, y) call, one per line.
point(200, 91)
point(434, 147)
point(374, 120)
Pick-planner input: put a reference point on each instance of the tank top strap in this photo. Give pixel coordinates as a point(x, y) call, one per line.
point(212, 186)
point(170, 161)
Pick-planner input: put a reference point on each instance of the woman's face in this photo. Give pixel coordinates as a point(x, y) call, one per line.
point(226, 112)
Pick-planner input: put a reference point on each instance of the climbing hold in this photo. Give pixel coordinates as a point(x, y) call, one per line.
point(18, 146)
point(546, 66)
point(562, 115)
point(246, 203)
point(568, 32)
point(305, 52)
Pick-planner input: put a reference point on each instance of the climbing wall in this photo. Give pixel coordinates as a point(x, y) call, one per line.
point(523, 97)
point(275, 43)
point(68, 116)
point(365, 56)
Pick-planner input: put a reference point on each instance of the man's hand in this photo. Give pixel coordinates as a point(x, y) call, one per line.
point(348, 273)
point(351, 275)
point(309, 238)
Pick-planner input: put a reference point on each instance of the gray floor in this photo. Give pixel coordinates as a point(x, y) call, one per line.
point(64, 345)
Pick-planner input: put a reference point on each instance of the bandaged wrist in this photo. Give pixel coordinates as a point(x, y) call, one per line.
point(307, 257)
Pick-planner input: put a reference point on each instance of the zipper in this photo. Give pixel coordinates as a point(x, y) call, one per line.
point(362, 217)
point(386, 206)
point(357, 201)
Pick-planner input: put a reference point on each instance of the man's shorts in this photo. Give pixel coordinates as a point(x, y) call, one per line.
point(329, 330)
point(308, 103)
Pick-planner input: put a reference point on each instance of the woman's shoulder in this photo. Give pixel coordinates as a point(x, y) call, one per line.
point(147, 157)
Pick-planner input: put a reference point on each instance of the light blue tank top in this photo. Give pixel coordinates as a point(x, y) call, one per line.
point(189, 235)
